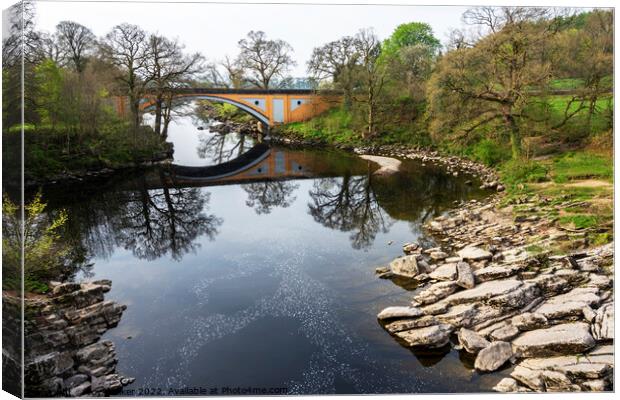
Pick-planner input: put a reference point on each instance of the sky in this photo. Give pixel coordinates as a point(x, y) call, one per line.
point(215, 29)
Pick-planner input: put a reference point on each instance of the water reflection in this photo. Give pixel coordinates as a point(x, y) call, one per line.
point(216, 148)
point(349, 204)
point(263, 197)
point(165, 221)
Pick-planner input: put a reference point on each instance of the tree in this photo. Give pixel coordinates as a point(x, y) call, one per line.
point(411, 34)
point(336, 61)
point(22, 44)
point(49, 82)
point(46, 254)
point(52, 49)
point(168, 68)
point(587, 53)
point(492, 81)
point(368, 48)
point(126, 47)
point(75, 41)
point(264, 59)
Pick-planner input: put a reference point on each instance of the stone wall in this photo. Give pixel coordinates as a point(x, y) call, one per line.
point(64, 354)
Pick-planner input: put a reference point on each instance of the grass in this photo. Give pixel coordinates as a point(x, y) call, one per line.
point(51, 151)
point(562, 190)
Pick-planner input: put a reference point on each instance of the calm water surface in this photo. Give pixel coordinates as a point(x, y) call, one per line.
point(266, 284)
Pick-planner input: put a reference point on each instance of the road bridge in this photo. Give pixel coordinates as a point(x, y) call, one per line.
point(271, 106)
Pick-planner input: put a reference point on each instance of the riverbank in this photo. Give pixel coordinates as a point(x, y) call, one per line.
point(64, 354)
point(519, 281)
point(545, 319)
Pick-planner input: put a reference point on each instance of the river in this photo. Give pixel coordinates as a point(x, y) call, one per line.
point(265, 283)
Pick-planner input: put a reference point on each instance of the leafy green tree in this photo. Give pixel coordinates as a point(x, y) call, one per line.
point(411, 34)
point(492, 81)
point(49, 82)
point(46, 255)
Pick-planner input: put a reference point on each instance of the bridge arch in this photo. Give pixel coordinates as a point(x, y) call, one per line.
point(252, 111)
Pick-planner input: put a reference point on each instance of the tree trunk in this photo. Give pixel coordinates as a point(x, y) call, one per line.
point(158, 111)
point(515, 135)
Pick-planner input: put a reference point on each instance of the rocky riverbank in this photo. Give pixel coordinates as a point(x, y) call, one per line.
point(64, 354)
point(546, 318)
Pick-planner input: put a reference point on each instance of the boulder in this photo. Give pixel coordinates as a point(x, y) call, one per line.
point(474, 254)
point(528, 377)
point(406, 266)
point(485, 291)
point(435, 292)
point(471, 341)
point(529, 321)
point(493, 356)
point(438, 255)
point(445, 272)
point(603, 324)
point(569, 338)
point(506, 385)
point(431, 336)
point(465, 276)
point(504, 333)
point(399, 312)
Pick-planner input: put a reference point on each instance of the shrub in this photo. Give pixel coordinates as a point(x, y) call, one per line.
point(490, 152)
point(45, 253)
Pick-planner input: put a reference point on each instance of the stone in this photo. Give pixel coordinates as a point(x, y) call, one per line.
point(556, 381)
point(474, 253)
point(465, 276)
point(485, 291)
point(493, 272)
point(569, 338)
point(603, 324)
point(507, 385)
point(438, 255)
point(410, 247)
point(471, 341)
point(431, 336)
point(75, 380)
point(80, 389)
point(399, 312)
point(493, 356)
point(505, 333)
point(528, 377)
point(586, 370)
point(435, 292)
point(445, 272)
point(407, 324)
point(595, 385)
point(406, 266)
point(529, 321)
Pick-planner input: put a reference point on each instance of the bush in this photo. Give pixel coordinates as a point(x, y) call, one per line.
point(490, 152)
point(46, 254)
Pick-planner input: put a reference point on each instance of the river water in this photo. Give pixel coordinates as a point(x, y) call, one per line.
point(264, 283)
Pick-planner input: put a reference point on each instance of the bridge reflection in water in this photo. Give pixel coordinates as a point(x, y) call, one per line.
point(260, 163)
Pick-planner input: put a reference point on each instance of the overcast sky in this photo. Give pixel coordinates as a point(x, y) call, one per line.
point(215, 29)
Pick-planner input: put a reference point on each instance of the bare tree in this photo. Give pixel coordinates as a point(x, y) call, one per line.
point(264, 59)
point(76, 41)
point(126, 47)
point(368, 47)
point(168, 68)
point(52, 48)
point(336, 61)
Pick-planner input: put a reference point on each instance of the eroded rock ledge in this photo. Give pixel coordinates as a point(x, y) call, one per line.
point(64, 356)
point(549, 318)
